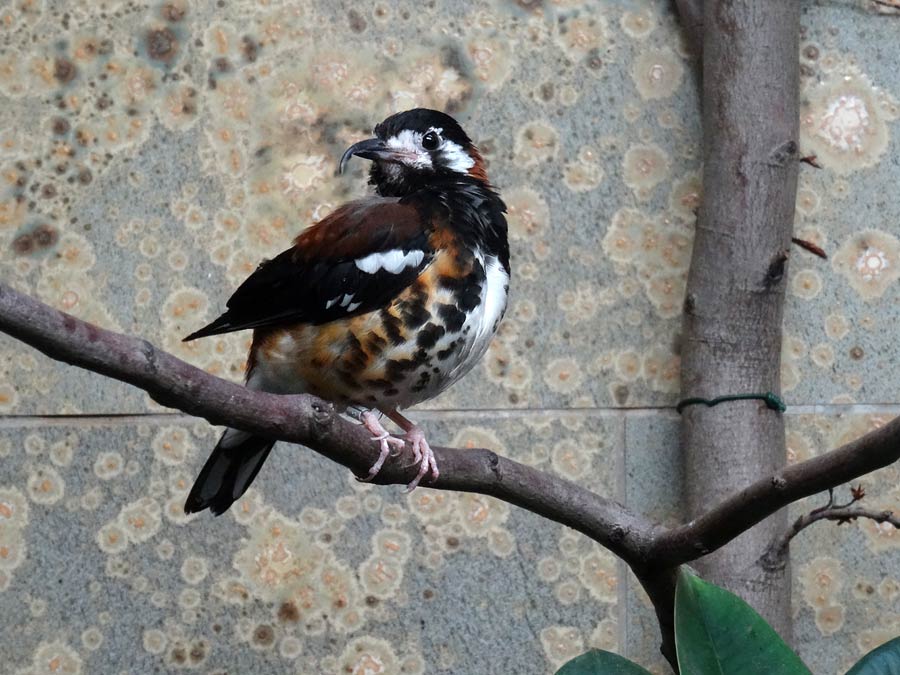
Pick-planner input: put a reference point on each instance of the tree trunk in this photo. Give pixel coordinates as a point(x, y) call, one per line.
point(735, 293)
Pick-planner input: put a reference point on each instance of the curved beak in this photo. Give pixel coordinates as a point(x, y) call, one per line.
point(371, 148)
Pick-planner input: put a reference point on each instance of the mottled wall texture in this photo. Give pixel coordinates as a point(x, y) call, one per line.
point(151, 153)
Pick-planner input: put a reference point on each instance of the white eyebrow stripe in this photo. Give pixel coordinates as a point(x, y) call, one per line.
point(393, 261)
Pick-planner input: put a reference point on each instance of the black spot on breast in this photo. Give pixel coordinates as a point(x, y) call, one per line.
point(354, 358)
point(393, 391)
point(452, 316)
point(429, 335)
point(414, 314)
point(451, 349)
point(422, 382)
point(412, 310)
point(375, 343)
point(422, 357)
point(396, 370)
point(392, 325)
point(379, 384)
point(466, 290)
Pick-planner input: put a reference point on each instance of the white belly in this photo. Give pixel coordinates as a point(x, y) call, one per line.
point(479, 328)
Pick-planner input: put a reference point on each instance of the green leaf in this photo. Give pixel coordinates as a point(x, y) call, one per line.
point(717, 633)
point(599, 662)
point(883, 660)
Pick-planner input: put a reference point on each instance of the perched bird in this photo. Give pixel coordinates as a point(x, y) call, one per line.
point(382, 304)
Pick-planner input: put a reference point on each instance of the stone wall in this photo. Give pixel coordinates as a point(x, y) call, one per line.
point(152, 154)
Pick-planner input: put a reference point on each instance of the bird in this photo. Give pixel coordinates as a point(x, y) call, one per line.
point(382, 304)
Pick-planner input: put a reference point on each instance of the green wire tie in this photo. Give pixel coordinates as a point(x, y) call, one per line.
point(772, 401)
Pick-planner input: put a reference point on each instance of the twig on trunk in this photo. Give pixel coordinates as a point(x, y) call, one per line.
point(815, 249)
point(812, 160)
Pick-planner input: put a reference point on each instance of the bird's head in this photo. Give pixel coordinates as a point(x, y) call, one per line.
point(415, 148)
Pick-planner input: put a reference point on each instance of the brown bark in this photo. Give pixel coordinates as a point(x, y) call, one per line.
point(734, 300)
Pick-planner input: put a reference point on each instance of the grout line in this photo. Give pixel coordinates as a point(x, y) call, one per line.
point(28, 421)
point(461, 413)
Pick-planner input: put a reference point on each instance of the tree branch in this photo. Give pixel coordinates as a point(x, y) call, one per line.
point(652, 552)
point(733, 516)
point(314, 423)
point(776, 556)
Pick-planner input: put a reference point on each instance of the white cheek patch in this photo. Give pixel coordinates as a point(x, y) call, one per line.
point(410, 144)
point(456, 158)
point(393, 261)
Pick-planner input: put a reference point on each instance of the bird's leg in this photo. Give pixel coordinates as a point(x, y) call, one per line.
point(380, 435)
point(422, 452)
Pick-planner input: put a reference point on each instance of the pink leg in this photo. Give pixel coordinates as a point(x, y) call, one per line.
point(380, 435)
point(422, 452)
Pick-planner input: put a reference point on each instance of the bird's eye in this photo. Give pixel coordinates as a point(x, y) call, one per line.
point(431, 140)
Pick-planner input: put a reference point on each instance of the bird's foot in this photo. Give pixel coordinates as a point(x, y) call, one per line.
point(423, 455)
point(381, 436)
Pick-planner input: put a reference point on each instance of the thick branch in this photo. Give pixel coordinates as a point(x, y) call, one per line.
point(731, 341)
point(733, 516)
point(311, 422)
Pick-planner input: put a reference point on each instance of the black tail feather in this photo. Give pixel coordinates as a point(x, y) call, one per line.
point(221, 325)
point(228, 472)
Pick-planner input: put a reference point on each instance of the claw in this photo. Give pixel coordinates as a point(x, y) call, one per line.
point(423, 455)
point(381, 436)
point(422, 452)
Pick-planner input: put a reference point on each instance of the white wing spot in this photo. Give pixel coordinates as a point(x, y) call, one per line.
point(393, 261)
point(347, 299)
point(352, 306)
point(331, 302)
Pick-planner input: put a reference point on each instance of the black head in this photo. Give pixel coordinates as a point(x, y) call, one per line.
point(412, 149)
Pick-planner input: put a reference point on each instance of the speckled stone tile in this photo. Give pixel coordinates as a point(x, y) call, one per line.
point(312, 572)
point(845, 583)
point(153, 154)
